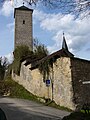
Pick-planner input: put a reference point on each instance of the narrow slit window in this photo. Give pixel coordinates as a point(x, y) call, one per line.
point(23, 21)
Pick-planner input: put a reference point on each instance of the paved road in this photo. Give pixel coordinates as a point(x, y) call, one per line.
point(19, 109)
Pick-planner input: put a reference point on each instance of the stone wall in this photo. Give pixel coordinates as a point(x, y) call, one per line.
point(63, 91)
point(60, 89)
point(23, 28)
point(32, 80)
point(80, 78)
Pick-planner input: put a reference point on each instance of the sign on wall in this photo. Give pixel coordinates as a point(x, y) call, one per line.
point(86, 82)
point(47, 82)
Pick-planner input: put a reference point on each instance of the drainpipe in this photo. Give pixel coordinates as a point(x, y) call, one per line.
point(52, 81)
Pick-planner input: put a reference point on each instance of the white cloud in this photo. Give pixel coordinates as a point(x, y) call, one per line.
point(9, 57)
point(55, 22)
point(11, 26)
point(77, 31)
point(40, 15)
point(7, 8)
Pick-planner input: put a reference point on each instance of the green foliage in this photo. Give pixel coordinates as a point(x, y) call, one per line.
point(1, 87)
point(3, 67)
point(20, 53)
point(53, 104)
point(16, 66)
point(86, 108)
point(45, 67)
point(15, 90)
point(40, 50)
point(77, 116)
point(9, 70)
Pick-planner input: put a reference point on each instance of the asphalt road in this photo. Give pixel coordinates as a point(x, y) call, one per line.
point(19, 109)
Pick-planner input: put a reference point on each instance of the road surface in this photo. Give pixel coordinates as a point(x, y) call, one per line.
point(20, 109)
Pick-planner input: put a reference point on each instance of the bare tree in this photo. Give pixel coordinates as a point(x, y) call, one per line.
point(65, 6)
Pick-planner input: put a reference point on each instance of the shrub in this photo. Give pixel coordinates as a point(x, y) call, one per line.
point(77, 116)
point(21, 52)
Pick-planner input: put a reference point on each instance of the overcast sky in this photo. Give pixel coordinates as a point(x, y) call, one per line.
point(48, 28)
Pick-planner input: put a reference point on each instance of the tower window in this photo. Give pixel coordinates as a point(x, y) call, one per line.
point(23, 21)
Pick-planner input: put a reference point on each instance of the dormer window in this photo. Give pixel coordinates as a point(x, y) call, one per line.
point(23, 21)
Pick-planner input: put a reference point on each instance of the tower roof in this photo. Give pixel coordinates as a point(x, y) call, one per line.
point(64, 44)
point(22, 8)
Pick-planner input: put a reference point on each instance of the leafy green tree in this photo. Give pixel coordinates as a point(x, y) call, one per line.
point(3, 67)
point(40, 50)
point(23, 52)
point(20, 53)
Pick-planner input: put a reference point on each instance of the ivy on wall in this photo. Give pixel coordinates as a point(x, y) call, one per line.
point(45, 66)
point(21, 52)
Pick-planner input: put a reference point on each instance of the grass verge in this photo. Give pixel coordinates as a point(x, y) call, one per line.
point(53, 104)
point(11, 88)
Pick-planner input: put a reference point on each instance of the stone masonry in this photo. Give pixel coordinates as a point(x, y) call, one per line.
point(69, 77)
point(23, 27)
point(62, 93)
point(80, 70)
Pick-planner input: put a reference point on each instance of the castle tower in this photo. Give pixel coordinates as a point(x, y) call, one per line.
point(23, 27)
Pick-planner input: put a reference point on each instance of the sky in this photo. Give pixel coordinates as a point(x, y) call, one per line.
point(48, 28)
